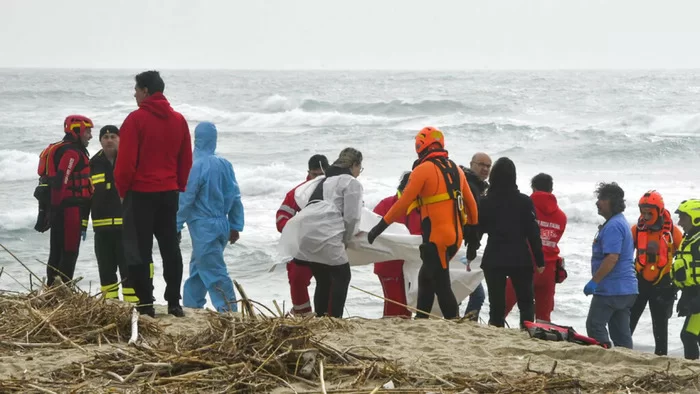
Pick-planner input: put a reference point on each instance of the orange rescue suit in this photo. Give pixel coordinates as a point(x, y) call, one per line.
point(440, 223)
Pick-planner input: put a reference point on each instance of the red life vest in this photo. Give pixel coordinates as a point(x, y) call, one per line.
point(654, 248)
point(79, 186)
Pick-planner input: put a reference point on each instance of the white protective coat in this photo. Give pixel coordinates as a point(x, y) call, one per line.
point(395, 243)
point(323, 229)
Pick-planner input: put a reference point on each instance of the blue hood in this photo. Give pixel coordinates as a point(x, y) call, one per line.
point(204, 139)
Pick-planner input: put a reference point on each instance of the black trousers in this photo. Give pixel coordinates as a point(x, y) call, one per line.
point(64, 244)
point(433, 280)
point(146, 215)
point(109, 251)
point(660, 299)
point(332, 282)
point(522, 279)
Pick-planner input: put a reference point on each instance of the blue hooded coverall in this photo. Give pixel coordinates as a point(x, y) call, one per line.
point(211, 206)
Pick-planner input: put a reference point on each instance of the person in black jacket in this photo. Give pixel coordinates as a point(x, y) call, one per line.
point(476, 174)
point(106, 211)
point(508, 217)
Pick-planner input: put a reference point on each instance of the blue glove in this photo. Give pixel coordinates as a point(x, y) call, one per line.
point(590, 287)
point(84, 234)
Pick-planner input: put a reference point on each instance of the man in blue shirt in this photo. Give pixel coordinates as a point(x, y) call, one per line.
point(614, 282)
point(211, 206)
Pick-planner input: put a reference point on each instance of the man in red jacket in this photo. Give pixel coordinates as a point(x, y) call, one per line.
point(390, 273)
point(552, 223)
point(299, 275)
point(155, 157)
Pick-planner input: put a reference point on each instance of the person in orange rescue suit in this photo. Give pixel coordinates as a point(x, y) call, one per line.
point(299, 275)
point(390, 273)
point(656, 240)
point(65, 190)
point(438, 188)
point(106, 212)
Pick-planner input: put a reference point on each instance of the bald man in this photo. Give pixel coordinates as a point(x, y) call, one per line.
point(476, 174)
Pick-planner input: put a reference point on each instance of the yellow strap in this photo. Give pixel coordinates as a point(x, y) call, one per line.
point(97, 178)
point(74, 125)
point(106, 222)
point(113, 286)
point(131, 299)
point(152, 270)
point(420, 201)
point(84, 223)
point(130, 295)
point(110, 291)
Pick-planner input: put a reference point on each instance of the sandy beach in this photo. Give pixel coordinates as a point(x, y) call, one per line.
point(408, 355)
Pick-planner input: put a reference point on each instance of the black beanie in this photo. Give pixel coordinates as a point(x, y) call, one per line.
point(109, 129)
point(317, 162)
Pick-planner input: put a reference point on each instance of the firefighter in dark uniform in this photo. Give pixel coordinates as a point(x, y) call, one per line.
point(106, 210)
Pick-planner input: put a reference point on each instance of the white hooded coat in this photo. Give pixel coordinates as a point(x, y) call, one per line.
point(324, 228)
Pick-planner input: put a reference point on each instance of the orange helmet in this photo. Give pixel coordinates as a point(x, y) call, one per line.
point(652, 199)
point(76, 124)
point(427, 137)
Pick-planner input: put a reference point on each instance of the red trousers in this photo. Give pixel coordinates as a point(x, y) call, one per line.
point(299, 280)
point(390, 275)
point(544, 292)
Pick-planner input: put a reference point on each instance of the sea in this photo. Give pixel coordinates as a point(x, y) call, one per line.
point(640, 129)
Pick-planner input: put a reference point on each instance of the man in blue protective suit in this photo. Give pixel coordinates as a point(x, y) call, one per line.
point(211, 206)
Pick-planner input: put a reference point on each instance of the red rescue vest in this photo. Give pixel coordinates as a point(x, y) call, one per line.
point(79, 185)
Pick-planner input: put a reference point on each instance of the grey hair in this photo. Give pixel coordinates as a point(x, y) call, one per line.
point(348, 157)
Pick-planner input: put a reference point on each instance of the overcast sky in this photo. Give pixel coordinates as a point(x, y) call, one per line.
point(350, 34)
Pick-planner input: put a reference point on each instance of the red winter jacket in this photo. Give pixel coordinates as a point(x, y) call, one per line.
point(289, 208)
point(155, 149)
point(552, 223)
point(412, 221)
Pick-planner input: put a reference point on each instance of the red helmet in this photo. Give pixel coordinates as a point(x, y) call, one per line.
point(652, 199)
point(76, 124)
point(427, 137)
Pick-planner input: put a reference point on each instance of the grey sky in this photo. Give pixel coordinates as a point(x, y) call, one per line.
point(330, 34)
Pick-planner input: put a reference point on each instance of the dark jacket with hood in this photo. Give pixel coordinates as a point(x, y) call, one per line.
point(155, 149)
point(508, 217)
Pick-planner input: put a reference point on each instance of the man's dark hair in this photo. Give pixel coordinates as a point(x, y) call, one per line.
point(613, 192)
point(542, 182)
point(150, 80)
point(318, 162)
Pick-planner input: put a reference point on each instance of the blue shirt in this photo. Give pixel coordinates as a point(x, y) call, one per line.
point(615, 237)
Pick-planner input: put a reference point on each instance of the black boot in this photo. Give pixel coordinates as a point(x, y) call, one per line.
point(473, 315)
point(147, 310)
point(176, 310)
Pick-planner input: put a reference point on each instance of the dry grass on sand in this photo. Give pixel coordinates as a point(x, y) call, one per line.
point(64, 340)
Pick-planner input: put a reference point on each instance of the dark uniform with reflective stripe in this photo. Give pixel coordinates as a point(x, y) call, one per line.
point(106, 210)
